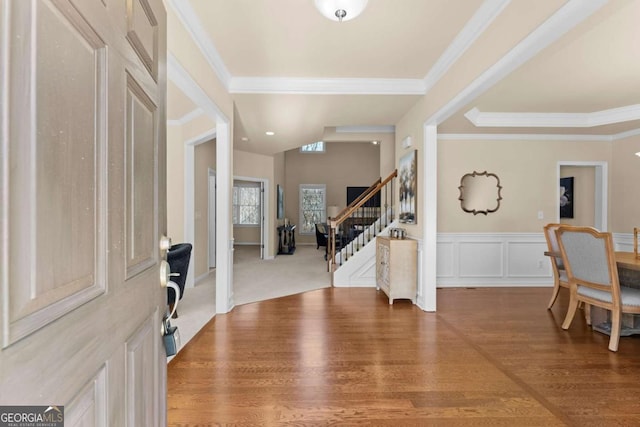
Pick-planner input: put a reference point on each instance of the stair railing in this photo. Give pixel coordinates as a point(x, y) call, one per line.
point(360, 222)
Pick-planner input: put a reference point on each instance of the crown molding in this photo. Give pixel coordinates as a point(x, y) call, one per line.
point(567, 17)
point(321, 86)
point(366, 129)
point(572, 120)
point(193, 26)
point(627, 134)
point(484, 16)
point(183, 80)
point(536, 137)
point(521, 137)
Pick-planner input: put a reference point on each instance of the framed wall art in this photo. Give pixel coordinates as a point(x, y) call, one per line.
point(408, 183)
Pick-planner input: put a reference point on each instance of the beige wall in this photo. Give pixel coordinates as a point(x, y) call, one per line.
point(625, 176)
point(583, 194)
point(528, 175)
point(205, 158)
point(175, 184)
point(343, 164)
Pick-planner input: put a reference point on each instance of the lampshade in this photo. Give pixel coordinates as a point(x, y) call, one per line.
point(332, 211)
point(341, 10)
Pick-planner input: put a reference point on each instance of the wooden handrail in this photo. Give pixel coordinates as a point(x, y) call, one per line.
point(349, 211)
point(362, 199)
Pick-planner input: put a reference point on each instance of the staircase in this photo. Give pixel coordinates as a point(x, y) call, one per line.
point(352, 234)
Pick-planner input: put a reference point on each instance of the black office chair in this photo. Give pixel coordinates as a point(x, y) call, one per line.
point(178, 258)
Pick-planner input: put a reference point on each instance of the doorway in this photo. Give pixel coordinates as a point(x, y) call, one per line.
point(593, 187)
point(255, 234)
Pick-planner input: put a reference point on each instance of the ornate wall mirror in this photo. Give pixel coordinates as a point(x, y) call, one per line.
point(480, 192)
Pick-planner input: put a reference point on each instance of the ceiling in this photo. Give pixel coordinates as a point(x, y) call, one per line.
point(296, 73)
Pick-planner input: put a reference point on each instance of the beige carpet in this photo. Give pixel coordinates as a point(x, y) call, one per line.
point(258, 280)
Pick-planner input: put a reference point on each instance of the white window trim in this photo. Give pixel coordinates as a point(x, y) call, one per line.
point(246, 184)
point(323, 217)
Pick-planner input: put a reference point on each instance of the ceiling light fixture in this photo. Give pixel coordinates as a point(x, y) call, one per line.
point(638, 154)
point(270, 133)
point(340, 10)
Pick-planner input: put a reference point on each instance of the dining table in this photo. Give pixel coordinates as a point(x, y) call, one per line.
point(628, 265)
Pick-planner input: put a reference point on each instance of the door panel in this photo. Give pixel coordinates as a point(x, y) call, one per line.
point(141, 165)
point(142, 33)
point(81, 208)
point(43, 287)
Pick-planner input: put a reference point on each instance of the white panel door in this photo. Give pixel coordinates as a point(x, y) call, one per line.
point(82, 208)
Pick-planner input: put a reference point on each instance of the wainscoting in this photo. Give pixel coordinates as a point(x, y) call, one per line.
point(499, 259)
point(492, 259)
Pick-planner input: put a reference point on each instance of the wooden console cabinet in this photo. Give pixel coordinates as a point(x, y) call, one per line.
point(396, 267)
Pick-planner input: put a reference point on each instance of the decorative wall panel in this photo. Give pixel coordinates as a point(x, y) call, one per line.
point(492, 259)
point(521, 255)
point(480, 259)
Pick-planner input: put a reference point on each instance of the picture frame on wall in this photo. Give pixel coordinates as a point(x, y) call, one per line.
point(566, 197)
point(280, 201)
point(408, 183)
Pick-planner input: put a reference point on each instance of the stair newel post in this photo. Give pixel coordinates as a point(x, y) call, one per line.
point(331, 242)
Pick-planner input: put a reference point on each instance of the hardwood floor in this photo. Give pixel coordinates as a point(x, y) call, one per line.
point(344, 356)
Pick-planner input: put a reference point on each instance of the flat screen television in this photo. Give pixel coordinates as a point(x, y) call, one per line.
point(354, 192)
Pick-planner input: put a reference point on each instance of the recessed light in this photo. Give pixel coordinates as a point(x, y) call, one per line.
point(638, 154)
point(245, 139)
point(270, 133)
point(375, 142)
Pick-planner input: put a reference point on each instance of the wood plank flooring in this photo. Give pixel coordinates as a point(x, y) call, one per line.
point(344, 356)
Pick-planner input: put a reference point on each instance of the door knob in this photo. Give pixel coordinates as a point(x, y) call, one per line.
point(165, 243)
point(165, 273)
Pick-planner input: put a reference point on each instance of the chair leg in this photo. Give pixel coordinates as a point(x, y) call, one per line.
point(616, 321)
point(554, 295)
point(587, 313)
point(571, 311)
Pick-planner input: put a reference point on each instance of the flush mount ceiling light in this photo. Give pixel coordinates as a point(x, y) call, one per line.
point(341, 10)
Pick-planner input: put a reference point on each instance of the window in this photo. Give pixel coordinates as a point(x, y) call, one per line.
point(312, 207)
point(316, 147)
point(246, 204)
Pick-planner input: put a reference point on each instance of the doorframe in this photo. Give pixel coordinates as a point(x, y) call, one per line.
point(189, 196)
point(601, 199)
point(212, 218)
point(177, 74)
point(264, 211)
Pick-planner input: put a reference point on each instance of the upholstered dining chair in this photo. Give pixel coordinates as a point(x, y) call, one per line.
point(589, 259)
point(560, 279)
point(321, 235)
